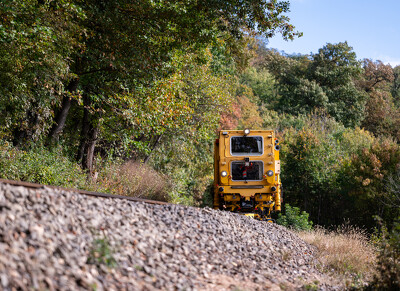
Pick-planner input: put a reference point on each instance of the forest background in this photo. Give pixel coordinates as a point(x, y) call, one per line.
point(127, 96)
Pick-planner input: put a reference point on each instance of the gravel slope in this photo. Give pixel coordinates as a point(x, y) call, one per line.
point(49, 239)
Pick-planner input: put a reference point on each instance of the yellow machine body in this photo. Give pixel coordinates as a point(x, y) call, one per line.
point(247, 172)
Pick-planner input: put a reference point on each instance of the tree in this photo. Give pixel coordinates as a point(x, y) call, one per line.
point(185, 151)
point(302, 96)
point(263, 85)
point(366, 180)
point(335, 68)
point(317, 159)
point(396, 85)
point(325, 80)
point(297, 94)
point(376, 75)
point(381, 115)
point(36, 40)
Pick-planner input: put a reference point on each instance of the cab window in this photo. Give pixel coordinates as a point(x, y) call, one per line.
point(246, 145)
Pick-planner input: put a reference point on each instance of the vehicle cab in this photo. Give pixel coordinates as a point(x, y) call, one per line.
point(246, 172)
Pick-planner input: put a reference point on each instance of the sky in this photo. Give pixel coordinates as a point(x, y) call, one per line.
point(372, 28)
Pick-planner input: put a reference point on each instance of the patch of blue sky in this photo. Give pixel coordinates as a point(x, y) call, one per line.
point(372, 28)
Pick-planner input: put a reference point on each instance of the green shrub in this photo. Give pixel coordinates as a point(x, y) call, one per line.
point(187, 161)
point(294, 219)
point(388, 276)
point(40, 165)
point(51, 167)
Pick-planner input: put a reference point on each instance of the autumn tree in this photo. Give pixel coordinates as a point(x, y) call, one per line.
point(381, 115)
point(366, 181)
point(376, 75)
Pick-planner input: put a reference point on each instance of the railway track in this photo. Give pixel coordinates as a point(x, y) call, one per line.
point(82, 192)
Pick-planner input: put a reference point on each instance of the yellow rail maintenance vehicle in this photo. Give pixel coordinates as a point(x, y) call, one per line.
point(246, 173)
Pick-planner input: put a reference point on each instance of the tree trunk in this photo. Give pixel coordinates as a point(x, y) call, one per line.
point(89, 134)
point(61, 116)
point(87, 161)
point(84, 134)
point(21, 135)
point(147, 158)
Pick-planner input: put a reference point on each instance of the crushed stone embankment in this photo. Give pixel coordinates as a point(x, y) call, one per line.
point(56, 240)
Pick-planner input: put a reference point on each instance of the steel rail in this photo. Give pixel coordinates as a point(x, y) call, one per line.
point(83, 192)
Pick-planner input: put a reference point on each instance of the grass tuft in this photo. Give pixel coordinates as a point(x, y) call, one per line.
point(346, 253)
point(132, 179)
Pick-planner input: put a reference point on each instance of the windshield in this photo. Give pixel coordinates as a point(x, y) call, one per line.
point(245, 145)
point(241, 172)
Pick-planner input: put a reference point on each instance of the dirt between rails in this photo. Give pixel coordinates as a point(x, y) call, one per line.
point(58, 240)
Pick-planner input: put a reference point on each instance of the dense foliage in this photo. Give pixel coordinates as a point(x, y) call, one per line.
point(123, 81)
point(338, 122)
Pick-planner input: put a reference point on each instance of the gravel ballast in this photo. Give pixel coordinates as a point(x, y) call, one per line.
point(57, 240)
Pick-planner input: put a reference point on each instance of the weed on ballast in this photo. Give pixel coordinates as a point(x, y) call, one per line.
point(102, 253)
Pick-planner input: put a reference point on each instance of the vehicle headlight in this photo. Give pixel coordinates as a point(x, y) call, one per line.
point(246, 131)
point(270, 173)
point(224, 173)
